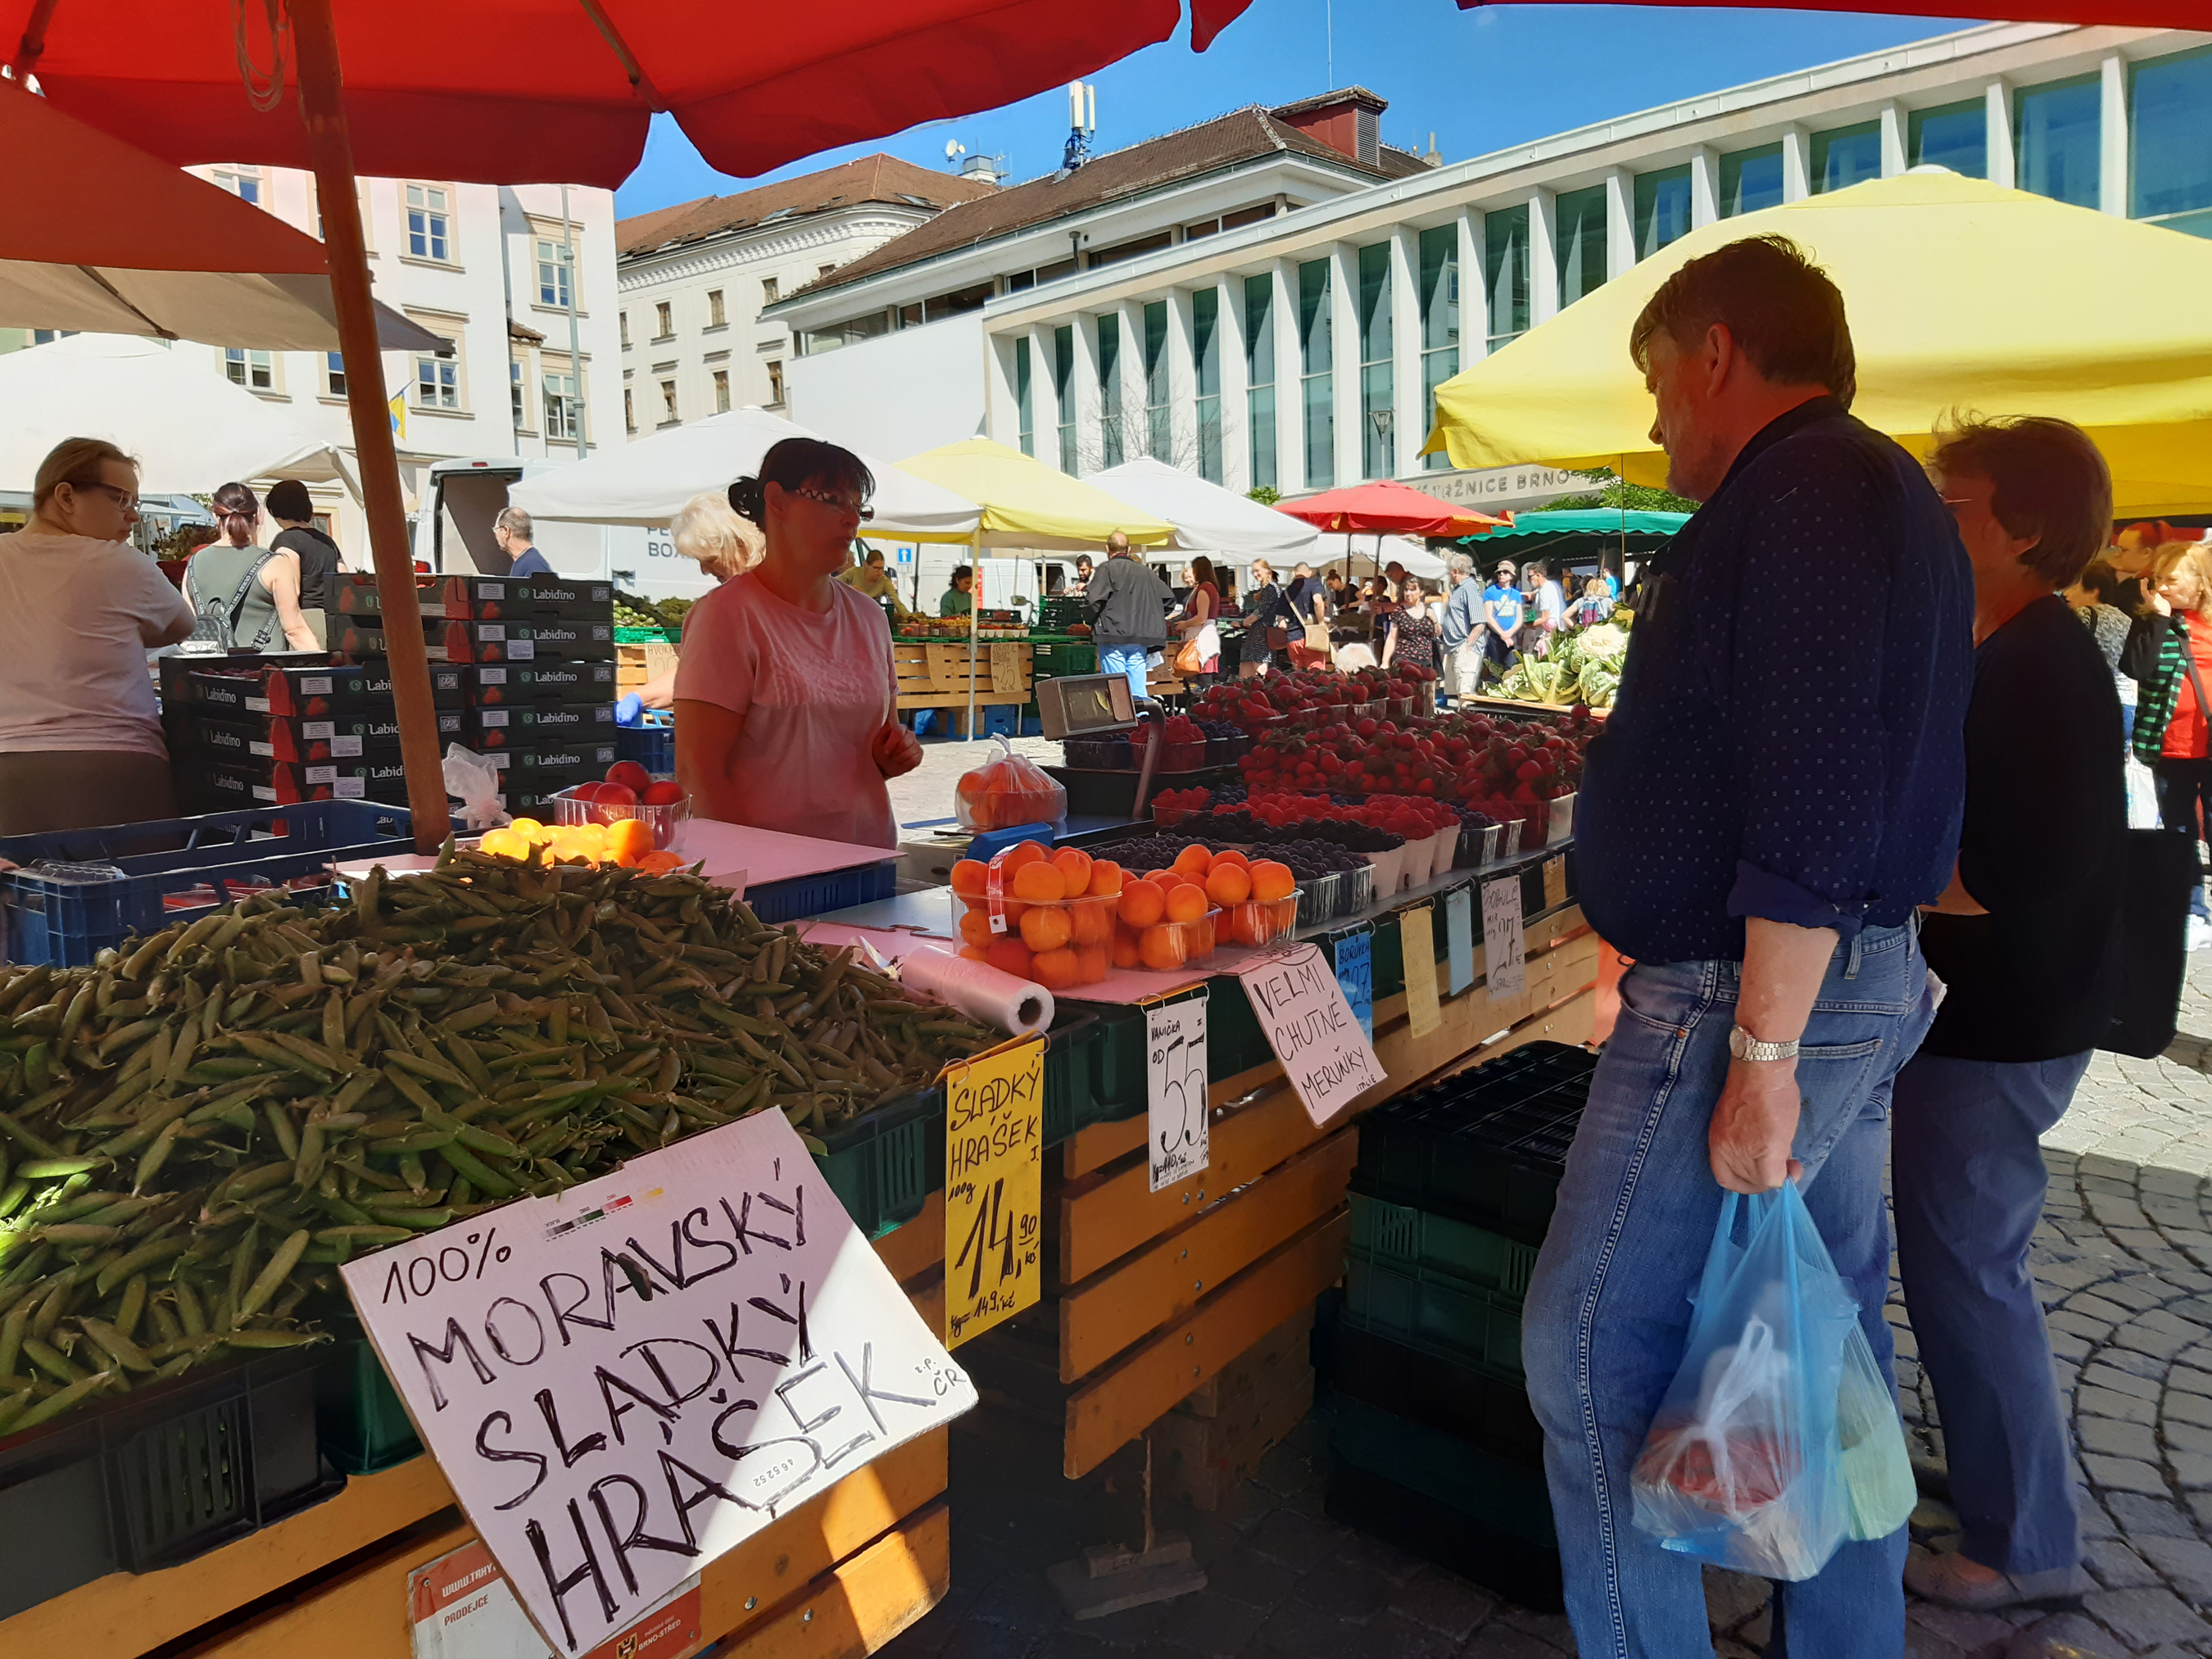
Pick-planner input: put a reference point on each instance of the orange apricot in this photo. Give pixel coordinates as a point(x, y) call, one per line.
point(1142, 904)
point(1193, 859)
point(1094, 960)
point(1046, 927)
point(1009, 955)
point(975, 927)
point(1187, 903)
point(1055, 970)
point(629, 840)
point(1039, 882)
point(659, 864)
point(1105, 877)
point(1160, 948)
point(1125, 949)
point(1227, 883)
point(973, 952)
point(1092, 920)
point(1230, 855)
point(1074, 867)
point(968, 877)
point(1271, 881)
point(1021, 852)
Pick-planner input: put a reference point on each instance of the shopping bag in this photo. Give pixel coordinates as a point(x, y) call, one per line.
point(1878, 1481)
point(1742, 1465)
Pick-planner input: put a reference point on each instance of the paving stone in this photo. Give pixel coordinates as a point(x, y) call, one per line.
point(2188, 1380)
point(1929, 1516)
point(2100, 1374)
point(2144, 1365)
point(1445, 1602)
point(1212, 1625)
point(2186, 1408)
point(1496, 1641)
point(1969, 1632)
point(2143, 1618)
point(2155, 1341)
point(2139, 1515)
point(2110, 1437)
point(2186, 1564)
point(2060, 1635)
point(2191, 1470)
point(2185, 1437)
point(2118, 1567)
point(2067, 1346)
point(2104, 1403)
point(1732, 1597)
point(1303, 1634)
point(1294, 1539)
point(1343, 1590)
point(1245, 1575)
point(2075, 1322)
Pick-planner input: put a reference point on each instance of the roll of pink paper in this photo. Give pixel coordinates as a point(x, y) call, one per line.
point(976, 988)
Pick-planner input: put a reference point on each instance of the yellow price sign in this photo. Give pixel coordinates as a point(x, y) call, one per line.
point(994, 1188)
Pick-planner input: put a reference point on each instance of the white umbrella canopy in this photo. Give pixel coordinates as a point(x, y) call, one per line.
point(1229, 528)
point(647, 483)
point(1357, 555)
point(189, 428)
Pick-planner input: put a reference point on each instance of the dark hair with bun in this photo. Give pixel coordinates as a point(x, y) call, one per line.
point(799, 464)
point(236, 507)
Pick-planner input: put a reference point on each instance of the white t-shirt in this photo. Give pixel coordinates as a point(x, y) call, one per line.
point(811, 690)
point(77, 617)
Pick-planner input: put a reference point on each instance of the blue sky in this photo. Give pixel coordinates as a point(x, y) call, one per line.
point(1479, 80)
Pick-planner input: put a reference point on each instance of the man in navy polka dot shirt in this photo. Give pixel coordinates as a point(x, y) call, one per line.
point(1779, 788)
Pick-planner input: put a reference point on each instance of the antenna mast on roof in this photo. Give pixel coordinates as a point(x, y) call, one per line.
point(1082, 122)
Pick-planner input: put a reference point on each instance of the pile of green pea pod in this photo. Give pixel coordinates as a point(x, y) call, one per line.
point(198, 1129)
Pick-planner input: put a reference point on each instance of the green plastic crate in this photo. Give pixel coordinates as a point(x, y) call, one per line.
point(1117, 1076)
point(1455, 1472)
point(1411, 1240)
point(1432, 1310)
point(884, 1166)
point(1235, 1042)
point(1069, 1064)
point(358, 1421)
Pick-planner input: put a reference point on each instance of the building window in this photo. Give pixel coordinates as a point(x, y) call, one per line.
point(1956, 135)
point(768, 290)
point(816, 340)
point(714, 317)
point(334, 380)
point(1316, 366)
point(622, 318)
point(515, 376)
point(1377, 384)
point(1843, 156)
point(776, 383)
point(254, 370)
point(1751, 180)
point(244, 183)
point(668, 415)
point(47, 336)
point(955, 304)
point(1063, 392)
point(2170, 155)
point(1662, 209)
point(1109, 390)
point(1439, 299)
point(823, 271)
point(664, 321)
point(1130, 250)
point(1159, 425)
point(1260, 377)
point(552, 274)
point(721, 391)
point(1580, 219)
point(1505, 274)
point(2057, 131)
point(564, 408)
point(438, 381)
point(429, 222)
point(1024, 403)
point(629, 412)
point(1205, 366)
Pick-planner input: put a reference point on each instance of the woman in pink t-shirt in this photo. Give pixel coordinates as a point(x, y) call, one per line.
point(785, 692)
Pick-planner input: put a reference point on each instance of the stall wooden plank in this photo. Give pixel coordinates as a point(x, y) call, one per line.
point(362, 1613)
point(1119, 1403)
point(911, 1247)
point(1106, 1314)
point(927, 1293)
point(861, 1605)
point(125, 1613)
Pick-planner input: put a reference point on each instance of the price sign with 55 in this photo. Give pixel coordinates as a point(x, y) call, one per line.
point(1174, 1090)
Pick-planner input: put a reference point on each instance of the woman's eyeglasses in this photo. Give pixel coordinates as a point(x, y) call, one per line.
point(842, 503)
point(122, 497)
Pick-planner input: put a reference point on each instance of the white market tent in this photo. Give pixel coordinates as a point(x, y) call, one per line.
point(647, 483)
point(1362, 553)
point(189, 429)
point(1229, 528)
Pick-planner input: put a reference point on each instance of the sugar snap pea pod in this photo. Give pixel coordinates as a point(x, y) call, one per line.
point(166, 1323)
point(132, 1307)
point(270, 1339)
point(155, 1155)
point(280, 1125)
point(13, 1406)
point(12, 1330)
point(119, 1347)
point(30, 1140)
point(50, 1360)
point(436, 1071)
point(315, 1053)
point(52, 1168)
point(74, 1015)
point(422, 1140)
point(241, 1276)
point(188, 1310)
point(277, 1053)
point(272, 1277)
point(12, 1196)
point(479, 1175)
point(67, 1233)
point(370, 1234)
point(54, 1405)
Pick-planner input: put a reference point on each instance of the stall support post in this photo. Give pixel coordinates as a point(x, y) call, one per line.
point(974, 605)
point(329, 149)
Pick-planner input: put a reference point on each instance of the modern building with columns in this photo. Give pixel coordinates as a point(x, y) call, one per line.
point(1301, 351)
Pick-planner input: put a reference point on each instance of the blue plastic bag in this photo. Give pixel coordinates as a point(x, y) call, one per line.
point(1746, 1464)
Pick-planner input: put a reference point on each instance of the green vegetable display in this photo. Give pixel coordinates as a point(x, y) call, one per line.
point(196, 1130)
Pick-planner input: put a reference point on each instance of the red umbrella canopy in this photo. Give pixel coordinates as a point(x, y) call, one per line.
point(514, 91)
point(1387, 507)
point(2137, 14)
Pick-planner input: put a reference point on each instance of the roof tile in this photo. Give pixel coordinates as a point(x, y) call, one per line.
point(877, 178)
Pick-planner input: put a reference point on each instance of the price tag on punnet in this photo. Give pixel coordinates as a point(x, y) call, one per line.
point(626, 1380)
point(1177, 1134)
point(1311, 1027)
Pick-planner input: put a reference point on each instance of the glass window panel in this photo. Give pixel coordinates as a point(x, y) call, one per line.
point(1375, 303)
point(2055, 139)
point(1662, 209)
point(1579, 215)
point(1751, 180)
point(1110, 389)
point(2170, 118)
point(1956, 135)
point(1260, 329)
point(1843, 156)
point(1314, 331)
point(1206, 340)
point(1063, 391)
point(1317, 351)
point(1505, 271)
point(1439, 287)
point(1023, 400)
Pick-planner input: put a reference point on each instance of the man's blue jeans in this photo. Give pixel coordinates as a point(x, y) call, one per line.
point(1967, 1172)
point(1608, 1308)
point(1129, 659)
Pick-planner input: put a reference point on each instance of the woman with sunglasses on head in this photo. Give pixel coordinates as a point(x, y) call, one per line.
point(79, 738)
point(785, 716)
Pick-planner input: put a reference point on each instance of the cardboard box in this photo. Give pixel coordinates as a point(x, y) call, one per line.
point(533, 724)
point(281, 738)
point(492, 685)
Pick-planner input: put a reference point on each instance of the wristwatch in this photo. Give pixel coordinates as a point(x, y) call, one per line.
point(1744, 1045)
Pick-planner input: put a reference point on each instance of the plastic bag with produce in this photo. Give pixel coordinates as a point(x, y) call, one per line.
point(1008, 792)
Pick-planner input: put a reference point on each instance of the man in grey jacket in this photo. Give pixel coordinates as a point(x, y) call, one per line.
point(1129, 605)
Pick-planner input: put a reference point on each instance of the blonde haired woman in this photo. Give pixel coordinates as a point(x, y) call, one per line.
point(80, 607)
point(2170, 653)
point(706, 530)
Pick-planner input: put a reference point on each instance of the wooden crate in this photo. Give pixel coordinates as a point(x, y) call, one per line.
point(1202, 1459)
point(941, 676)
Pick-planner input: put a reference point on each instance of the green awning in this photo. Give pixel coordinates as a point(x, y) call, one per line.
point(1579, 535)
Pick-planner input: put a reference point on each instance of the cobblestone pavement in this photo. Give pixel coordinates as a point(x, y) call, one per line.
point(2124, 1262)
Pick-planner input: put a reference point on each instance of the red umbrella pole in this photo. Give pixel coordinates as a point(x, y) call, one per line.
point(331, 150)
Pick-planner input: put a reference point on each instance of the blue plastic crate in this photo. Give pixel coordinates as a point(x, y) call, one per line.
point(68, 923)
point(778, 902)
point(653, 747)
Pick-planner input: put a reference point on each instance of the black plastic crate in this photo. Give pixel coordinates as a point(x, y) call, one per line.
point(1472, 1483)
point(1467, 1400)
point(1487, 1146)
point(359, 1421)
point(53, 1513)
point(1520, 1570)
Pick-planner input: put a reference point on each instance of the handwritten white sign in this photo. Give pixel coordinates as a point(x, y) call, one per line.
point(1178, 1138)
point(1311, 1028)
point(627, 1380)
point(1502, 945)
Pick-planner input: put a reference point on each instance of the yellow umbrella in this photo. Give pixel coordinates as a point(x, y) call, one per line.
point(1963, 297)
point(1028, 504)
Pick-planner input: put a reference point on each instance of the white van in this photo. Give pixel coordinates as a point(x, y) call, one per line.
point(461, 498)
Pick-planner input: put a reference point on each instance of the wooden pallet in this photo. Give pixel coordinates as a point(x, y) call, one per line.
point(1200, 1458)
point(943, 676)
